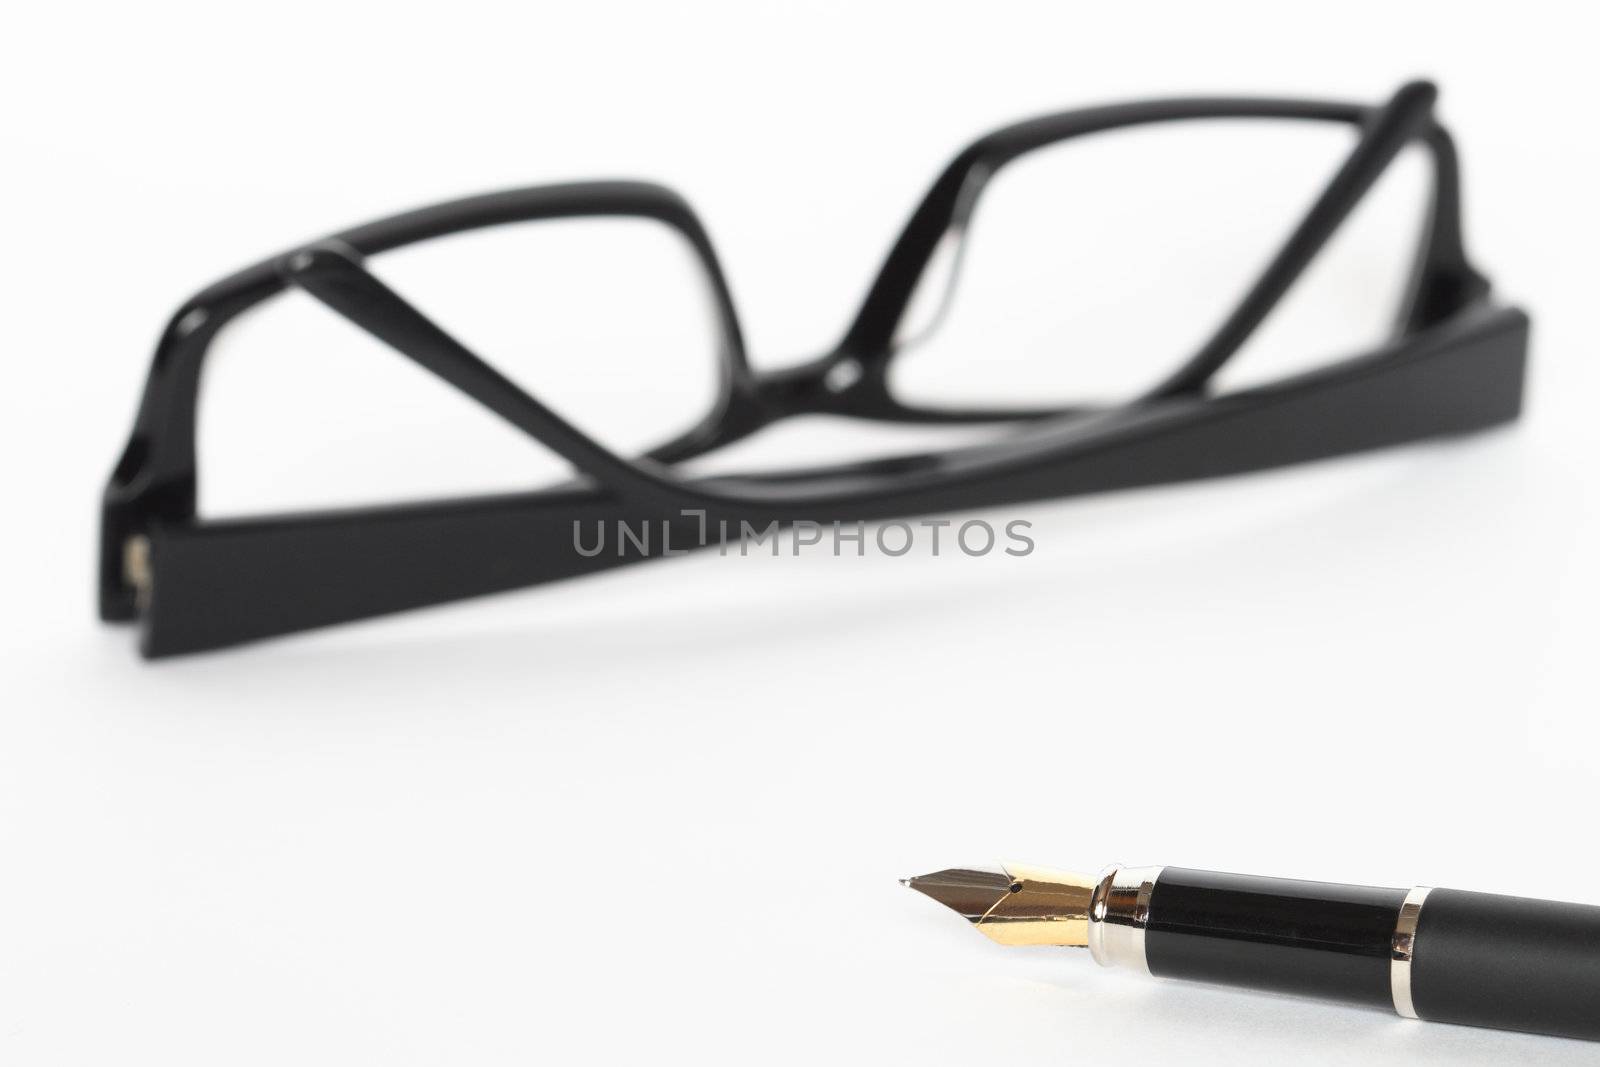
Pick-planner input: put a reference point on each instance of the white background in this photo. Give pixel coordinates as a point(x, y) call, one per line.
point(661, 813)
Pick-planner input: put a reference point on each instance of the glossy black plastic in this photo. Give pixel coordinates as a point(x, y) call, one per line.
point(1455, 364)
point(1316, 939)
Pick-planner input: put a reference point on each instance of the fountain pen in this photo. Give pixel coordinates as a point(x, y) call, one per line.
point(1435, 954)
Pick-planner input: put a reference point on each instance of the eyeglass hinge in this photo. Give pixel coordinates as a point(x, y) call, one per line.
point(137, 573)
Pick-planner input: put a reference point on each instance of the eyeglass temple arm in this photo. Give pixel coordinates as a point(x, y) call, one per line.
point(1443, 282)
point(333, 273)
point(1389, 130)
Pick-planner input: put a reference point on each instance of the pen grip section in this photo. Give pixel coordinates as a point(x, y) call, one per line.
point(1508, 962)
point(1311, 938)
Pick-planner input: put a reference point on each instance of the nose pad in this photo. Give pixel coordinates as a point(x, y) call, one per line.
point(935, 291)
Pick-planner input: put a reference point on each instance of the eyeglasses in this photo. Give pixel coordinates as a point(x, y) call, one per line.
point(1454, 363)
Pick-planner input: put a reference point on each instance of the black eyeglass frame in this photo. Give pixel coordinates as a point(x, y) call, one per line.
point(1455, 364)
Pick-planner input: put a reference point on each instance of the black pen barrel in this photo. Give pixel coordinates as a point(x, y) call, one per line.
point(1508, 962)
point(1435, 954)
point(1313, 938)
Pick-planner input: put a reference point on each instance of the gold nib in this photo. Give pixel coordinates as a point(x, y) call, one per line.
point(1016, 905)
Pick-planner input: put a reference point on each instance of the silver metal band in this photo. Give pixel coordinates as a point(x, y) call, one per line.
point(1119, 910)
point(1401, 947)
